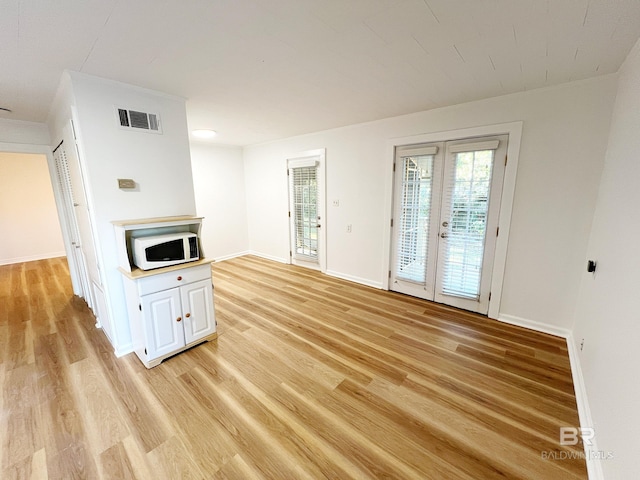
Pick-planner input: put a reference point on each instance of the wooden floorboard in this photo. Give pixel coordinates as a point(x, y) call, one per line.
point(310, 377)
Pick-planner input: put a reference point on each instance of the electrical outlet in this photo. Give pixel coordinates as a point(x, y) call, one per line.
point(349, 228)
point(582, 344)
point(336, 203)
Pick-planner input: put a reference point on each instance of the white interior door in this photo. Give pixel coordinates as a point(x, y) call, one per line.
point(81, 205)
point(79, 273)
point(306, 210)
point(446, 209)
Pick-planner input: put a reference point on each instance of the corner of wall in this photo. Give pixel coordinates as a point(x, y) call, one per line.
point(594, 467)
point(533, 325)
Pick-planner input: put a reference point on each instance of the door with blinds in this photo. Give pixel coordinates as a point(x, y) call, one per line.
point(445, 222)
point(306, 210)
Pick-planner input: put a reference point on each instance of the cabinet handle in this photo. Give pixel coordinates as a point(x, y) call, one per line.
point(179, 319)
point(179, 278)
point(188, 315)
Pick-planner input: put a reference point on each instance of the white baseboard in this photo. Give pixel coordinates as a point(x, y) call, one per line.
point(31, 258)
point(351, 278)
point(120, 351)
point(268, 257)
point(533, 325)
point(343, 276)
point(124, 350)
point(594, 465)
point(233, 255)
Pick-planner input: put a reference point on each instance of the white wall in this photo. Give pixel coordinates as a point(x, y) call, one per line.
point(28, 216)
point(218, 181)
point(607, 316)
point(28, 133)
point(159, 164)
point(563, 144)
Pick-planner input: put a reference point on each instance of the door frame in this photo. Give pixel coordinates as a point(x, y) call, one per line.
point(320, 153)
point(514, 130)
point(48, 152)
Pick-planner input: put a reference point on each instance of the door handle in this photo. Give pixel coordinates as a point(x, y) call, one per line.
point(444, 235)
point(445, 224)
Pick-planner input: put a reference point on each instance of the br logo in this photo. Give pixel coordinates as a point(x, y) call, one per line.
point(572, 435)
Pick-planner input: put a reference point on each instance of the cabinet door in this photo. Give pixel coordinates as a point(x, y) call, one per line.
point(197, 306)
point(163, 322)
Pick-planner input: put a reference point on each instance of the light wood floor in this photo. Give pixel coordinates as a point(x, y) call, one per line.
point(311, 377)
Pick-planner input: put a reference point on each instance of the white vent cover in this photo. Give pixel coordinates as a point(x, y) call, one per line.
point(133, 119)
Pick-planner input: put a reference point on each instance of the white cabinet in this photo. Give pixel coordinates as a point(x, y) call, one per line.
point(170, 310)
point(197, 306)
point(125, 229)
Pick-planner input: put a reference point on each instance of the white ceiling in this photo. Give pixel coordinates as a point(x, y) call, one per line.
point(257, 70)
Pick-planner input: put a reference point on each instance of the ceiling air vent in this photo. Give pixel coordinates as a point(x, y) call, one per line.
point(132, 119)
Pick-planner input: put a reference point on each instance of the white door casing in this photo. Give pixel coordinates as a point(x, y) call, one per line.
point(514, 130)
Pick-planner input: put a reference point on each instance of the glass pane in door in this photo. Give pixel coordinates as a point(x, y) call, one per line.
point(465, 210)
point(304, 190)
point(415, 213)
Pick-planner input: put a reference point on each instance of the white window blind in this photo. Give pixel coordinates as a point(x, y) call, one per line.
point(412, 151)
point(465, 208)
point(475, 146)
point(415, 215)
point(303, 162)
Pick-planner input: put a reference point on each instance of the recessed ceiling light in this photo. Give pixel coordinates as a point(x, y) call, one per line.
point(204, 133)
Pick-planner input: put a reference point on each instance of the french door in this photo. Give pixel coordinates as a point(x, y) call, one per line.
point(445, 221)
